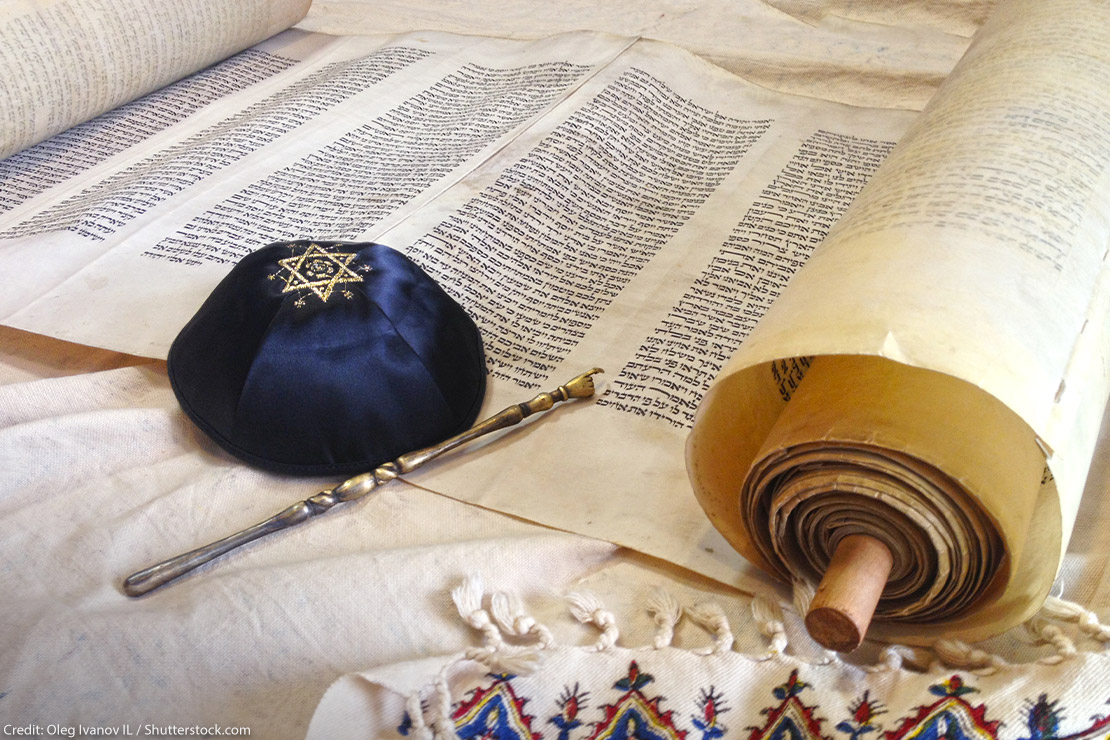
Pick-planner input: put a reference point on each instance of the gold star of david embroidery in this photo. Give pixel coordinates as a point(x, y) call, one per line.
point(320, 271)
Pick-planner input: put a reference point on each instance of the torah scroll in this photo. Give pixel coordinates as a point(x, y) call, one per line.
point(936, 375)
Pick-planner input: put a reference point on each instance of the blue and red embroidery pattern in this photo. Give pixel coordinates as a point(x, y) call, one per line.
point(494, 712)
point(635, 712)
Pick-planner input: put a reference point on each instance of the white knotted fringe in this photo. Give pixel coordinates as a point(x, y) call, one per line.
point(506, 616)
point(1043, 632)
point(508, 612)
point(518, 662)
point(768, 615)
point(665, 611)
point(712, 617)
point(1070, 612)
point(444, 725)
point(497, 655)
point(415, 709)
point(894, 658)
point(587, 608)
point(468, 600)
point(958, 654)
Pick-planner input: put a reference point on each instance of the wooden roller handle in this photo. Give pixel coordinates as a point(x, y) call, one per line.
point(841, 610)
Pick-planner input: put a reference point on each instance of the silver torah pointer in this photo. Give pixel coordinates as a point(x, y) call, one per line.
point(148, 579)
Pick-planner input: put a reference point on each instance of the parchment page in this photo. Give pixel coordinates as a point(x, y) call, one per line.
point(882, 53)
point(642, 211)
point(64, 61)
point(334, 136)
point(643, 227)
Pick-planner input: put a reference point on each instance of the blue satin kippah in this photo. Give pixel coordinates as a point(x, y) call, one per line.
point(317, 357)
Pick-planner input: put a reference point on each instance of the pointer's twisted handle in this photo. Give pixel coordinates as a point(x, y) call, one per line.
point(148, 579)
point(151, 578)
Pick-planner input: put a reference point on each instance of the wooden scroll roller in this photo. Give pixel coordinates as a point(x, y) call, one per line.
point(841, 610)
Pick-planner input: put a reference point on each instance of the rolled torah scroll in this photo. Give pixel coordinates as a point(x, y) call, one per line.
point(943, 474)
point(936, 374)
